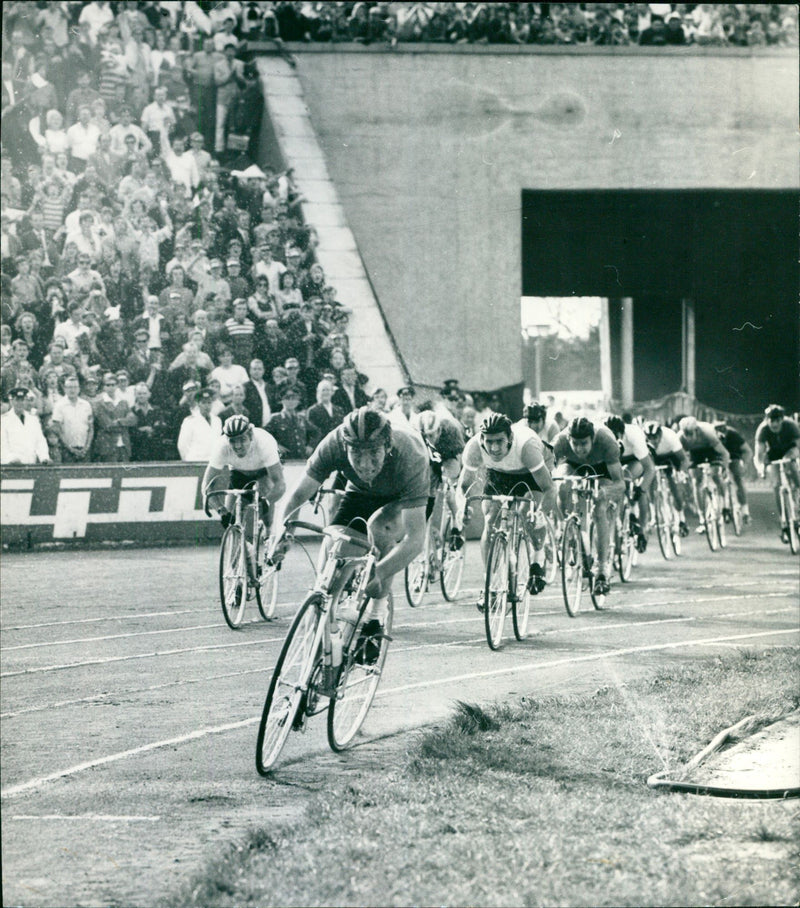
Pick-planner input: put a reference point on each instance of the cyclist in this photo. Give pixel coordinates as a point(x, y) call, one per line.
point(445, 441)
point(703, 446)
point(512, 456)
point(740, 452)
point(251, 454)
point(638, 465)
point(584, 449)
point(668, 451)
point(388, 480)
point(534, 416)
point(778, 437)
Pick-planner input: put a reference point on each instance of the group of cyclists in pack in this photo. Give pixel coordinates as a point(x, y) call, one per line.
point(388, 475)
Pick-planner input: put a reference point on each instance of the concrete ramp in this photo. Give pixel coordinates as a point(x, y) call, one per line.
point(370, 342)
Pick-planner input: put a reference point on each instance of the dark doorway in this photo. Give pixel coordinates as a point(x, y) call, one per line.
point(734, 253)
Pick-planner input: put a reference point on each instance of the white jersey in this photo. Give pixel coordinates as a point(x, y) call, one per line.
point(512, 462)
point(634, 443)
point(669, 443)
point(263, 453)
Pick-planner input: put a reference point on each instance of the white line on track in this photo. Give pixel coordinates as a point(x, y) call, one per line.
point(166, 630)
point(538, 665)
point(91, 817)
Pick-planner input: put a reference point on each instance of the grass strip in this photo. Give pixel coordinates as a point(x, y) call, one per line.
point(539, 802)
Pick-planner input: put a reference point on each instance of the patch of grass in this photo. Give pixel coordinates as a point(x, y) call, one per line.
point(540, 802)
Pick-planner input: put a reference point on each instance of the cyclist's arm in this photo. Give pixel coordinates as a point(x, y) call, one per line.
point(406, 550)
point(277, 487)
point(683, 460)
point(648, 472)
point(760, 456)
point(720, 448)
point(470, 463)
point(207, 485)
point(531, 457)
point(617, 484)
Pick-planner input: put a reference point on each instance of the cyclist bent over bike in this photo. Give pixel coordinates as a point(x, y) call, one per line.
point(700, 440)
point(585, 450)
point(778, 437)
point(513, 456)
point(251, 454)
point(388, 479)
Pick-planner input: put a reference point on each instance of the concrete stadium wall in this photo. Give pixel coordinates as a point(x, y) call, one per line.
point(430, 149)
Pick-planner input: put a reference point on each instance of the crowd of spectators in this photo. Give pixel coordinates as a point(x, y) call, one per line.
point(154, 279)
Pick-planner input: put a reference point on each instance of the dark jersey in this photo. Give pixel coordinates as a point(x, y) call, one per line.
point(733, 443)
point(604, 451)
point(405, 476)
point(778, 443)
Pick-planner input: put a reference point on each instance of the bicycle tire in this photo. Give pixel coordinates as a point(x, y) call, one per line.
point(452, 562)
point(663, 529)
point(737, 514)
point(289, 681)
point(598, 599)
point(358, 681)
point(495, 597)
point(521, 604)
point(267, 582)
point(722, 530)
point(416, 578)
point(791, 520)
point(232, 579)
point(572, 579)
point(550, 552)
point(626, 549)
point(710, 520)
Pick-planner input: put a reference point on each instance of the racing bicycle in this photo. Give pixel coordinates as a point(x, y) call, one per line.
point(709, 507)
point(438, 558)
point(731, 507)
point(665, 515)
point(790, 504)
point(246, 567)
point(333, 656)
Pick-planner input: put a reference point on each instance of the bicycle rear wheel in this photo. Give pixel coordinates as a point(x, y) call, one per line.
point(495, 599)
point(267, 581)
point(452, 565)
point(358, 680)
point(289, 683)
point(521, 605)
point(550, 552)
point(572, 579)
point(232, 576)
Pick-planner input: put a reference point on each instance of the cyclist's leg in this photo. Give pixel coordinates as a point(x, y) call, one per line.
point(489, 509)
point(737, 472)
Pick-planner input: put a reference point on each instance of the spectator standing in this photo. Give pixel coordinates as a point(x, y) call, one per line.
point(21, 438)
point(112, 419)
point(228, 373)
point(238, 333)
point(147, 436)
point(257, 395)
point(290, 428)
point(324, 416)
point(199, 430)
point(82, 137)
point(73, 328)
point(73, 421)
point(350, 395)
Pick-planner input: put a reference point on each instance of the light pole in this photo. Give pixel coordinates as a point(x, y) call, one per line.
point(535, 333)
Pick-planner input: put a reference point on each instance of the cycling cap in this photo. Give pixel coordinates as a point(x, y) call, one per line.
point(581, 427)
point(774, 411)
point(429, 422)
point(652, 429)
point(688, 424)
point(535, 412)
point(496, 424)
point(236, 425)
point(617, 425)
point(365, 428)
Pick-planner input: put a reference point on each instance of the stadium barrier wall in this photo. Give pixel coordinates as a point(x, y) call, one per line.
point(95, 504)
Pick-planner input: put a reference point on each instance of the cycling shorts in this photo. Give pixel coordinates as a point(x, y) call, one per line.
point(706, 455)
point(498, 483)
point(240, 478)
point(672, 460)
point(356, 508)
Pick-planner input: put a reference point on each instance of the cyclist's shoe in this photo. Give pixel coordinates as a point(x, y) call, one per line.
point(727, 516)
point(601, 585)
point(300, 716)
point(536, 581)
point(785, 534)
point(370, 640)
point(480, 604)
point(701, 529)
point(456, 540)
point(746, 517)
point(683, 530)
point(641, 543)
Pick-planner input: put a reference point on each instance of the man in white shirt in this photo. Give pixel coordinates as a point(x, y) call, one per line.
point(199, 430)
point(126, 127)
point(82, 137)
point(256, 397)
point(228, 373)
point(21, 438)
point(181, 163)
point(158, 116)
point(268, 266)
point(72, 328)
point(73, 420)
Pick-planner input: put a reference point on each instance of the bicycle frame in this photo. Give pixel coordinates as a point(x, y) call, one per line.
point(709, 506)
point(578, 564)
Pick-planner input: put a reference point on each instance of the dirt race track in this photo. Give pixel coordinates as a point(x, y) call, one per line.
point(129, 710)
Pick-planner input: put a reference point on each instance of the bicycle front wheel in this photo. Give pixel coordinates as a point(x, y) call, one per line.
point(737, 515)
point(267, 581)
point(289, 683)
point(232, 576)
point(495, 599)
point(550, 552)
point(521, 605)
point(625, 548)
point(663, 528)
point(363, 660)
point(416, 578)
point(452, 565)
point(710, 510)
point(599, 599)
point(791, 520)
point(572, 580)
